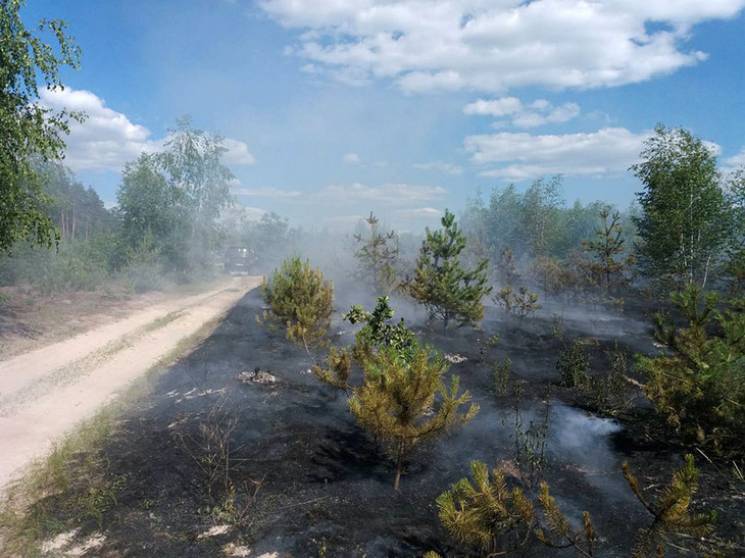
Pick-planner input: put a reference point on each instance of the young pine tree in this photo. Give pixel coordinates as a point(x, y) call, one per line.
point(301, 300)
point(441, 283)
point(698, 385)
point(487, 518)
point(403, 402)
point(671, 512)
point(607, 248)
point(377, 255)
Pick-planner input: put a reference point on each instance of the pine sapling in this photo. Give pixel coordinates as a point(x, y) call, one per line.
point(446, 288)
point(301, 300)
point(403, 402)
point(377, 254)
point(671, 512)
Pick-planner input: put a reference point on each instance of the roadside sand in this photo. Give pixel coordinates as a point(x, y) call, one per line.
point(46, 392)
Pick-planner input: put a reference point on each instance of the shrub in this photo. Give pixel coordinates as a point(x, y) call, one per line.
point(551, 275)
point(403, 402)
point(378, 332)
point(502, 373)
point(339, 368)
point(699, 385)
point(574, 366)
point(300, 299)
point(487, 518)
point(521, 303)
point(608, 394)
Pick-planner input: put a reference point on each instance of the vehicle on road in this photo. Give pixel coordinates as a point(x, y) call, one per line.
point(238, 260)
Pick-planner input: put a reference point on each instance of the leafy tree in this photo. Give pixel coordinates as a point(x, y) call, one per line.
point(377, 254)
point(269, 238)
point(153, 213)
point(403, 402)
point(77, 211)
point(29, 132)
point(449, 291)
point(735, 262)
point(300, 299)
point(175, 198)
point(683, 224)
point(607, 247)
point(698, 386)
point(378, 332)
point(191, 162)
point(504, 221)
point(540, 214)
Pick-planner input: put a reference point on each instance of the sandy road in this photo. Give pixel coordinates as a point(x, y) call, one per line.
point(46, 392)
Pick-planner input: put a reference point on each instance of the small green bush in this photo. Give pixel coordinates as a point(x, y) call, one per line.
point(698, 386)
point(502, 374)
point(487, 517)
point(574, 366)
point(301, 300)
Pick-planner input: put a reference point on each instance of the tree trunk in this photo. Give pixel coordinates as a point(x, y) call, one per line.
point(399, 466)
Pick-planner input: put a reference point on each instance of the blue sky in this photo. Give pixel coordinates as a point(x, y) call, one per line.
point(335, 108)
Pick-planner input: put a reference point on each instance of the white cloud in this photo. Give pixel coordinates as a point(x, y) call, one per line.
point(440, 166)
point(237, 153)
point(521, 156)
point(107, 139)
point(537, 113)
point(352, 159)
point(495, 107)
point(495, 45)
point(735, 162)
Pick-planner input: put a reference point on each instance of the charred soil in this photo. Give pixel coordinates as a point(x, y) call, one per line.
point(209, 465)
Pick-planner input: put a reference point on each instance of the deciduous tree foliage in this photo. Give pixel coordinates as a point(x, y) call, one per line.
point(734, 268)
point(28, 131)
point(173, 199)
point(442, 284)
point(378, 332)
point(683, 225)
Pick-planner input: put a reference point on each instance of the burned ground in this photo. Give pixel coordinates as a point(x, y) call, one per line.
point(304, 480)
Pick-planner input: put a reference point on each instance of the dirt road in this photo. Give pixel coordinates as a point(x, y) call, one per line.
point(46, 392)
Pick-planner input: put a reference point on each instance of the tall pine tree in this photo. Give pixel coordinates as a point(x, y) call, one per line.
point(442, 284)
